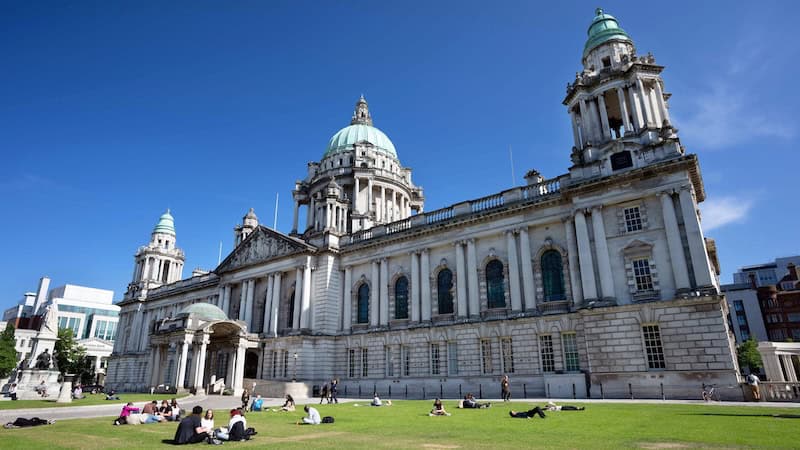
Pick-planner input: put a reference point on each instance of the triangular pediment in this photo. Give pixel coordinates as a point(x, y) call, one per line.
point(263, 245)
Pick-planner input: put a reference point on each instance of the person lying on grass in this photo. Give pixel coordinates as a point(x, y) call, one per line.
point(550, 406)
point(527, 414)
point(469, 402)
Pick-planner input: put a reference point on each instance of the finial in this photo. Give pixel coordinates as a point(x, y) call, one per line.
point(361, 114)
point(167, 210)
point(598, 12)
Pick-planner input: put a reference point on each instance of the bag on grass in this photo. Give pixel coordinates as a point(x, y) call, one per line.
point(327, 419)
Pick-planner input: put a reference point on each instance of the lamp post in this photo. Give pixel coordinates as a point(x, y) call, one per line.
point(294, 376)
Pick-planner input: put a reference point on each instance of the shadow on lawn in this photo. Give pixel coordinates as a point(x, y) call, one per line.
point(777, 416)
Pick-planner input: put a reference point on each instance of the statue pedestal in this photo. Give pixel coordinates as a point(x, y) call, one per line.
point(65, 396)
point(30, 381)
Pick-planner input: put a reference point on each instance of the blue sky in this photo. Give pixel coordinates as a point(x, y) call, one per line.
point(110, 112)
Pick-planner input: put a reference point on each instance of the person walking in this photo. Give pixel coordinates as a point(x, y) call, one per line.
point(12, 391)
point(334, 393)
point(753, 381)
point(505, 389)
point(245, 399)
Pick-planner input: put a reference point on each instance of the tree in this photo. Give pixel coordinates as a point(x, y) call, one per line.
point(71, 357)
point(8, 351)
point(748, 355)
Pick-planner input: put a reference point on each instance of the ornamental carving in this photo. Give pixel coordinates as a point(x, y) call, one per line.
point(261, 246)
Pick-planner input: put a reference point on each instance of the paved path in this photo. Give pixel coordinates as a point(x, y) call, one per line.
point(227, 402)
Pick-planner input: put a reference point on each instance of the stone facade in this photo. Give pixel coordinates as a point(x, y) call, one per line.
point(594, 283)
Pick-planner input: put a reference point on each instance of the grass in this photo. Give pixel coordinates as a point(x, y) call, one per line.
point(90, 399)
point(407, 425)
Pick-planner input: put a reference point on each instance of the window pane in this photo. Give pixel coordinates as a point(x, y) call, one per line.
point(401, 298)
point(508, 355)
point(486, 356)
point(452, 358)
point(546, 351)
point(641, 272)
point(652, 345)
point(435, 359)
point(444, 284)
point(495, 291)
point(552, 276)
point(633, 219)
point(363, 304)
point(571, 360)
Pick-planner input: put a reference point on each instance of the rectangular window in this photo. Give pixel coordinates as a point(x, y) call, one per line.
point(285, 363)
point(274, 364)
point(389, 363)
point(351, 362)
point(507, 351)
point(364, 362)
point(405, 356)
point(435, 360)
point(738, 305)
point(486, 356)
point(652, 345)
point(793, 317)
point(571, 360)
point(633, 219)
point(641, 273)
point(546, 353)
point(452, 358)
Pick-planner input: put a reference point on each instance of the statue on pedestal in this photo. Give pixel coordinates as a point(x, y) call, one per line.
point(44, 360)
point(50, 320)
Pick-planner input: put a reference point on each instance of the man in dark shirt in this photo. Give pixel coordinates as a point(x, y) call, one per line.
point(190, 430)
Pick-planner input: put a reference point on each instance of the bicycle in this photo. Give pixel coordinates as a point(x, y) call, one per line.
point(710, 392)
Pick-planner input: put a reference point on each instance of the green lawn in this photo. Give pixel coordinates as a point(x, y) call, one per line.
point(91, 399)
point(407, 425)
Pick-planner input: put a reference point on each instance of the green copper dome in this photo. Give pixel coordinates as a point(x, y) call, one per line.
point(166, 224)
point(360, 130)
point(604, 28)
point(205, 311)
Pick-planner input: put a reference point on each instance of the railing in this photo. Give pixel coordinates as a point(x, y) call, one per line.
point(516, 195)
point(490, 202)
point(183, 283)
point(777, 391)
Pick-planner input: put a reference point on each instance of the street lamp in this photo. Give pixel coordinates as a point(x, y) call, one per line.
point(294, 377)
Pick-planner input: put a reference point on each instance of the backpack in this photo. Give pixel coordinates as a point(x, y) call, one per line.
point(327, 419)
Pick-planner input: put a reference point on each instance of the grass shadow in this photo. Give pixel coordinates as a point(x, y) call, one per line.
point(777, 416)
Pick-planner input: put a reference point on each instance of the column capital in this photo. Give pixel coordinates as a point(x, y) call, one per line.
point(686, 187)
point(522, 229)
point(348, 267)
point(596, 208)
point(567, 218)
point(471, 241)
point(512, 231)
point(458, 242)
point(384, 260)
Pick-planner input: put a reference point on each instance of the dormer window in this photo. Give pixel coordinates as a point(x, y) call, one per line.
point(606, 61)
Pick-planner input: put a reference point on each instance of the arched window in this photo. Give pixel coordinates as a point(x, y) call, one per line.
point(495, 291)
point(290, 316)
point(552, 276)
point(401, 298)
point(444, 286)
point(363, 304)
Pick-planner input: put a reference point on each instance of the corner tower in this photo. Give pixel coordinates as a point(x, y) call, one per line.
point(617, 105)
point(159, 262)
point(359, 183)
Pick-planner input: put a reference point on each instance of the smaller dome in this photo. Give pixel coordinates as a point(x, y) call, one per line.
point(205, 311)
point(604, 28)
point(166, 224)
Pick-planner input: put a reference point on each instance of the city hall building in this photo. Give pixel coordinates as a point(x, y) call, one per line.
point(597, 282)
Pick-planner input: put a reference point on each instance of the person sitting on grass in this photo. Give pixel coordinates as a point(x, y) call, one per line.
point(127, 410)
point(176, 410)
point(77, 393)
point(313, 417)
point(190, 430)
point(208, 420)
point(258, 404)
point(438, 409)
point(237, 427)
point(150, 408)
point(288, 405)
point(112, 395)
point(553, 407)
point(527, 414)
point(166, 411)
point(469, 402)
point(42, 389)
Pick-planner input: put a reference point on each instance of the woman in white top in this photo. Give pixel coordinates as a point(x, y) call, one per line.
point(208, 420)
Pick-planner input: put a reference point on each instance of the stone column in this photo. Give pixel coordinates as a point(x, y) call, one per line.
point(238, 377)
point(586, 123)
point(575, 133)
point(276, 303)
point(585, 257)
point(638, 121)
point(425, 278)
point(309, 214)
point(156, 367)
point(415, 287)
point(200, 364)
point(788, 367)
point(242, 299)
point(395, 211)
point(694, 235)
point(623, 108)
point(461, 279)
point(528, 287)
point(572, 260)
point(513, 271)
point(181, 366)
point(295, 216)
point(305, 316)
point(601, 104)
point(268, 305)
point(674, 244)
point(601, 250)
point(251, 292)
point(227, 307)
point(347, 319)
point(382, 208)
point(662, 105)
point(384, 292)
point(369, 195)
point(356, 188)
point(472, 273)
point(594, 110)
point(298, 297)
point(657, 120)
point(648, 115)
point(375, 281)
